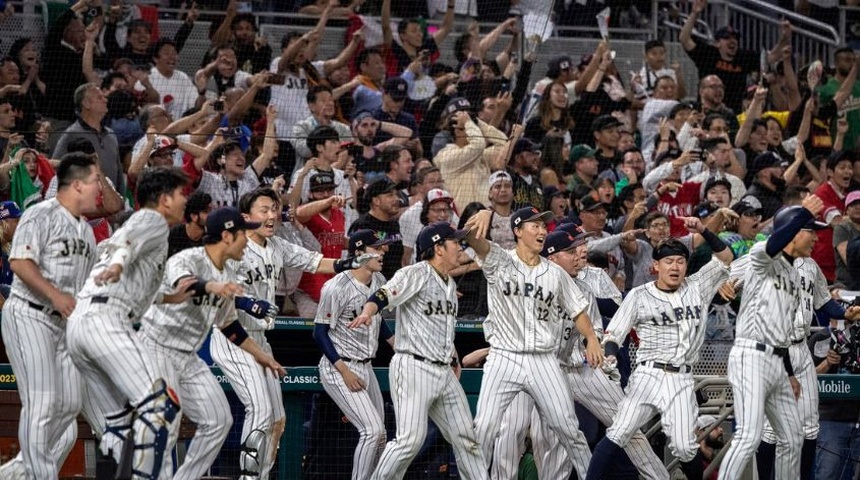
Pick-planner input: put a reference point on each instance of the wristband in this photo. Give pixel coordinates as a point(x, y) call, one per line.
point(199, 288)
point(235, 333)
point(714, 241)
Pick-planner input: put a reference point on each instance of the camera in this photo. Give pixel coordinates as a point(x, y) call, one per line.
point(845, 343)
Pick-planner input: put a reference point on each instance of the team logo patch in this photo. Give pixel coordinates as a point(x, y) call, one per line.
point(229, 224)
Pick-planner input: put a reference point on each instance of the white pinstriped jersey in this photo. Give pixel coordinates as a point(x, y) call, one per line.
point(597, 281)
point(62, 246)
point(184, 326)
point(261, 269)
point(528, 306)
point(814, 293)
point(670, 325)
point(341, 300)
point(222, 192)
point(142, 241)
point(426, 307)
point(768, 315)
point(570, 352)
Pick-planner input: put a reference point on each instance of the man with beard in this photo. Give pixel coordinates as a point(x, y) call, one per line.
point(768, 184)
point(709, 446)
point(381, 205)
point(190, 234)
point(725, 59)
point(364, 129)
point(524, 168)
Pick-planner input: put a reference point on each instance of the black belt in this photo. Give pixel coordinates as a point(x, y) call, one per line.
point(346, 359)
point(797, 342)
point(427, 360)
point(43, 309)
point(778, 351)
point(668, 367)
point(102, 299)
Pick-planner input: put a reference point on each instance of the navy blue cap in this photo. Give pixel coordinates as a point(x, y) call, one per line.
point(529, 214)
point(436, 233)
point(560, 241)
point(366, 238)
point(787, 214)
point(9, 209)
point(227, 219)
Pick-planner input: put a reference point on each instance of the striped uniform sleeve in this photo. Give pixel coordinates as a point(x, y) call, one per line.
point(179, 266)
point(625, 318)
point(496, 258)
point(405, 284)
point(298, 257)
point(329, 309)
point(136, 237)
point(709, 278)
point(571, 297)
point(29, 237)
point(739, 269)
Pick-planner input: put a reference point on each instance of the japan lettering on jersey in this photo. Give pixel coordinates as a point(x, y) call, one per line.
point(341, 300)
point(527, 305)
point(142, 244)
point(62, 246)
point(426, 308)
point(670, 325)
point(261, 269)
point(184, 326)
point(768, 315)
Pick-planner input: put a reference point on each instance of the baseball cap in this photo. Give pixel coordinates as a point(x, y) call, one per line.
point(9, 209)
point(550, 191)
point(528, 214)
point(322, 181)
point(852, 198)
point(581, 151)
point(380, 187)
point(767, 160)
point(727, 32)
point(714, 181)
point(786, 214)
point(705, 209)
point(436, 233)
point(396, 87)
point(557, 64)
point(559, 241)
point(705, 421)
point(227, 219)
point(499, 176)
point(584, 60)
point(747, 204)
point(589, 203)
point(603, 122)
point(162, 143)
point(439, 195)
point(366, 238)
point(358, 117)
point(457, 104)
point(569, 227)
point(525, 145)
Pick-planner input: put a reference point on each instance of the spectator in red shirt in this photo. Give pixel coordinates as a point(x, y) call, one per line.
point(840, 170)
point(324, 217)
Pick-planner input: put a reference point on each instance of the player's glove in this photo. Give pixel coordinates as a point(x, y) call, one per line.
point(610, 368)
point(351, 263)
point(256, 308)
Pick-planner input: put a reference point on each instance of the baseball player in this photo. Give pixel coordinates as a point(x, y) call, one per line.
point(101, 341)
point(172, 333)
point(669, 315)
point(345, 370)
point(423, 382)
point(531, 301)
point(592, 388)
point(266, 257)
point(51, 254)
point(761, 353)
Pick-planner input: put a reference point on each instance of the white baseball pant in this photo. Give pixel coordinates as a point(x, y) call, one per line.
point(760, 387)
point(257, 389)
point(203, 402)
point(48, 383)
point(540, 376)
point(420, 389)
point(807, 403)
point(364, 409)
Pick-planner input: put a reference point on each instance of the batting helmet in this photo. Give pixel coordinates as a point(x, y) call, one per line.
point(787, 214)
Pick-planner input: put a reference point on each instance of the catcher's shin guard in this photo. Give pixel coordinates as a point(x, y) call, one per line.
point(252, 456)
point(150, 430)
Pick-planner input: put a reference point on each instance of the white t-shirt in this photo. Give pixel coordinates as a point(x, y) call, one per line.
point(291, 98)
point(177, 93)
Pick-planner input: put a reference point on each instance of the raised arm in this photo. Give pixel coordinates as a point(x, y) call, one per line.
point(753, 113)
point(775, 54)
point(387, 35)
point(478, 226)
point(447, 24)
point(686, 35)
point(267, 153)
point(346, 54)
